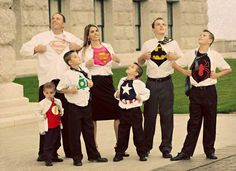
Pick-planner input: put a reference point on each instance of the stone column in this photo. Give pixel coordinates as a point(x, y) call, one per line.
point(11, 94)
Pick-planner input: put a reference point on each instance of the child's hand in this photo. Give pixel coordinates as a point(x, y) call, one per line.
point(90, 83)
point(73, 90)
point(138, 97)
point(45, 116)
point(89, 63)
point(146, 55)
point(117, 94)
point(116, 59)
point(171, 56)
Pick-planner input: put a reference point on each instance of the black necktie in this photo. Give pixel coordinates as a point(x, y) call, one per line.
point(81, 71)
point(161, 42)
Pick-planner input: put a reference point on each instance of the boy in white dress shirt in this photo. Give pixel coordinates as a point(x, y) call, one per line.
point(76, 84)
point(202, 64)
point(50, 112)
point(159, 53)
point(131, 94)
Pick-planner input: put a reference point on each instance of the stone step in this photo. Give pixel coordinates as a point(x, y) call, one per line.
point(14, 102)
point(17, 120)
point(8, 112)
point(18, 115)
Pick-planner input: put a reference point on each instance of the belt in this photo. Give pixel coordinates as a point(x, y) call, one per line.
point(160, 79)
point(202, 87)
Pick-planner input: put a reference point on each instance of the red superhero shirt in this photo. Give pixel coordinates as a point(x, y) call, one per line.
point(53, 115)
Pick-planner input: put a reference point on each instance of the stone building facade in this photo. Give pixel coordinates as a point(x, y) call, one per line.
point(126, 24)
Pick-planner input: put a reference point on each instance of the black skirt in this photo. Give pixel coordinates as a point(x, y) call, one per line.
point(104, 104)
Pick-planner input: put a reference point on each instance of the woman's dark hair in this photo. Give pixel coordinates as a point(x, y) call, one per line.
point(87, 42)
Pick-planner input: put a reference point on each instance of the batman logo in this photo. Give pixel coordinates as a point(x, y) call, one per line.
point(158, 55)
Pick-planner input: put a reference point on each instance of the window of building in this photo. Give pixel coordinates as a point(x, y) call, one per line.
point(170, 18)
point(53, 7)
point(170, 4)
point(99, 16)
point(137, 9)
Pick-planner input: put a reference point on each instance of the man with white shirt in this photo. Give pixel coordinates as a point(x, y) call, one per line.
point(159, 53)
point(202, 64)
point(49, 47)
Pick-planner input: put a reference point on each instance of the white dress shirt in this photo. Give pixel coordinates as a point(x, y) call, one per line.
point(98, 69)
point(51, 64)
point(216, 60)
point(139, 88)
point(72, 78)
point(42, 109)
point(165, 69)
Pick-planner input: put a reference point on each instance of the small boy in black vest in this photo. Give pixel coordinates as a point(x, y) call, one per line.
point(131, 93)
point(76, 84)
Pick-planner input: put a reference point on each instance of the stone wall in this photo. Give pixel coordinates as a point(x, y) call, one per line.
point(32, 18)
point(190, 17)
point(7, 38)
point(189, 21)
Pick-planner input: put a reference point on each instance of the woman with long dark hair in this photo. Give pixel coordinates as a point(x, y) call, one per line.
point(98, 58)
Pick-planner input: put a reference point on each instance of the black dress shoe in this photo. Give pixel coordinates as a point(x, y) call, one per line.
point(99, 160)
point(57, 159)
point(77, 163)
point(125, 154)
point(48, 163)
point(147, 153)
point(211, 156)
point(40, 158)
point(117, 158)
point(180, 156)
point(143, 158)
point(166, 155)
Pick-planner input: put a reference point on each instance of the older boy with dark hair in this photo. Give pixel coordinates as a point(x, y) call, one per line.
point(159, 53)
point(202, 63)
point(76, 84)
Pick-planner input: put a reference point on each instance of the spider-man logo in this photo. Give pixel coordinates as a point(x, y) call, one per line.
point(203, 71)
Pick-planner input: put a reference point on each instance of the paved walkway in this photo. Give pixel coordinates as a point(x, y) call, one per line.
point(18, 150)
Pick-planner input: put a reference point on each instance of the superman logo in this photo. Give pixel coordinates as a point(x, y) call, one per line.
point(102, 58)
point(58, 46)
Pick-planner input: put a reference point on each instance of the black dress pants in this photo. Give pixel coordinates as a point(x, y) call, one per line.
point(130, 118)
point(203, 107)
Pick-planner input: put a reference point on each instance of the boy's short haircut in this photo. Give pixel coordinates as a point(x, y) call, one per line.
point(139, 70)
point(67, 56)
point(158, 18)
point(49, 85)
point(212, 37)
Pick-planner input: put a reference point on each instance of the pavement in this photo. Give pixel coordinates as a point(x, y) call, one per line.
point(19, 147)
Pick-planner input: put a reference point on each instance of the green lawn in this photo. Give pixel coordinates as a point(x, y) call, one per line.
point(226, 88)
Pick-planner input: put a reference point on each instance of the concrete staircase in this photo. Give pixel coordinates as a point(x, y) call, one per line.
point(15, 109)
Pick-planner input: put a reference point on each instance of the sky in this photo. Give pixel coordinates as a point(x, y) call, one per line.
point(222, 18)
